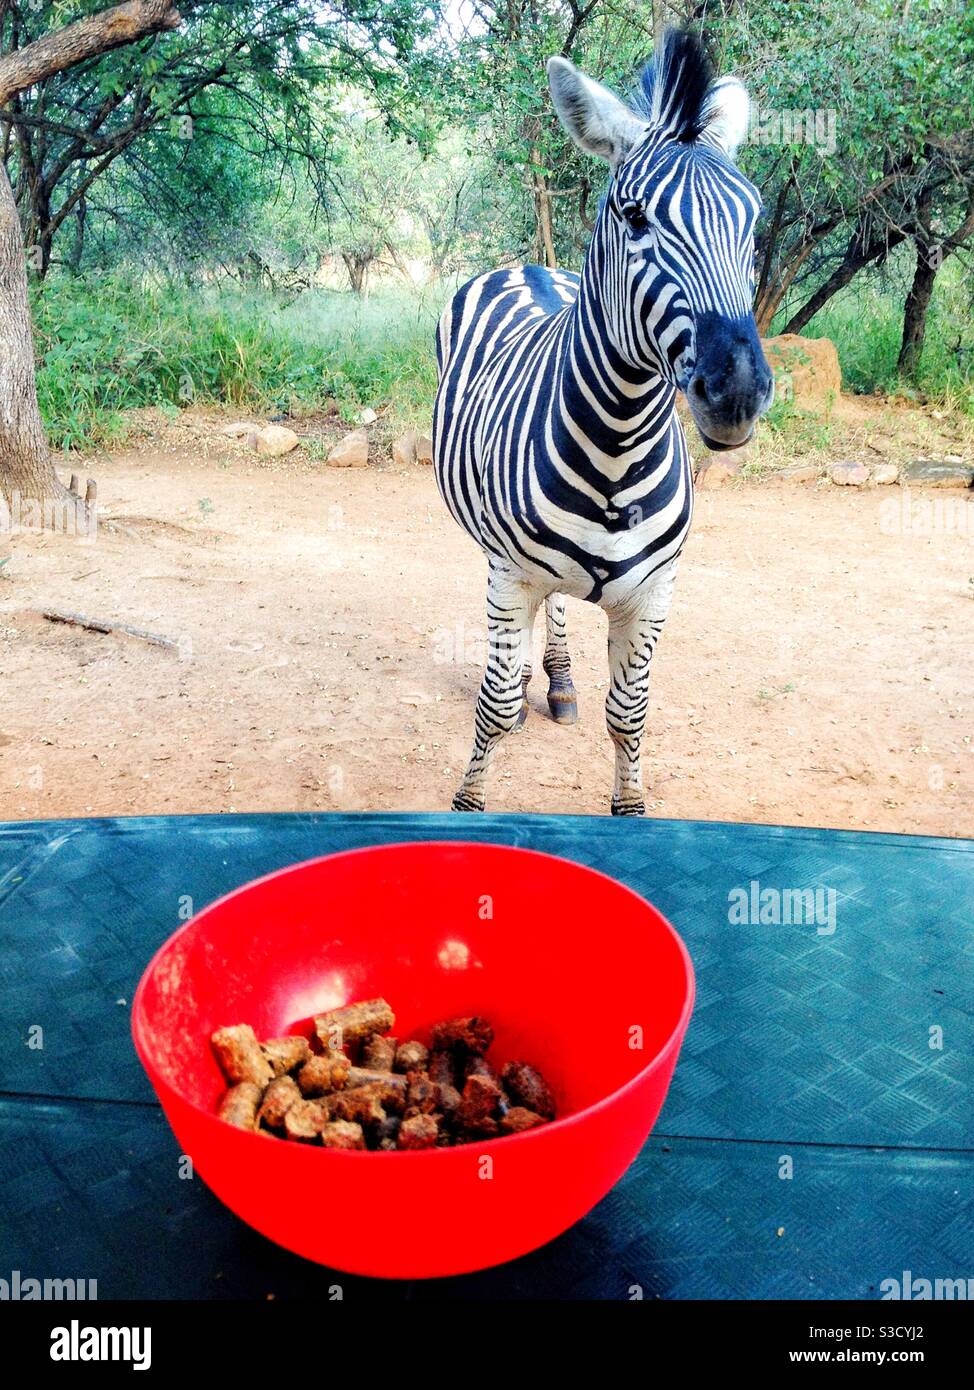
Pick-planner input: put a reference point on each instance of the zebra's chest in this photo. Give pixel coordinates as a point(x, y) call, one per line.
point(576, 502)
point(587, 538)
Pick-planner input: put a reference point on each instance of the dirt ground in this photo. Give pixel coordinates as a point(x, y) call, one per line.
point(817, 667)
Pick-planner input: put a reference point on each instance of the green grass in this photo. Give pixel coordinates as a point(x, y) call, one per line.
point(801, 429)
point(108, 345)
point(379, 351)
point(112, 343)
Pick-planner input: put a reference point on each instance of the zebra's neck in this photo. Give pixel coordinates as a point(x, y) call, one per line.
point(618, 415)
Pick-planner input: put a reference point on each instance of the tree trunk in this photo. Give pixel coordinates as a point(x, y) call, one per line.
point(915, 310)
point(765, 310)
point(29, 487)
point(27, 477)
point(930, 259)
point(542, 213)
point(779, 284)
point(398, 262)
point(78, 249)
point(544, 224)
point(38, 234)
point(778, 275)
point(856, 258)
point(358, 270)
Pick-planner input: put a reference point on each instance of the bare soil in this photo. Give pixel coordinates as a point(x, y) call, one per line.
point(817, 667)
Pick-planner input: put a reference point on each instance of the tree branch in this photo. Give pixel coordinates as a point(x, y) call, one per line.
point(85, 39)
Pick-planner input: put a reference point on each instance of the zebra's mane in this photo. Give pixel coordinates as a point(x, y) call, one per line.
point(674, 85)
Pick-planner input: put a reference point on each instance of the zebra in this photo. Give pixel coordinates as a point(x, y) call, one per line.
point(556, 442)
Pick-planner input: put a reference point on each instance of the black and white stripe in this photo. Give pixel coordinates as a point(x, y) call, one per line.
point(556, 441)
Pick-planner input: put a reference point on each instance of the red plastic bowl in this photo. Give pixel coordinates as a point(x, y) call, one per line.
point(573, 970)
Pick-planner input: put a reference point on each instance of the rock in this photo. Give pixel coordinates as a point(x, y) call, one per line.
point(350, 452)
point(275, 440)
point(884, 474)
point(367, 416)
point(806, 370)
point(938, 473)
point(238, 430)
point(716, 472)
point(798, 473)
point(404, 449)
point(848, 474)
point(424, 449)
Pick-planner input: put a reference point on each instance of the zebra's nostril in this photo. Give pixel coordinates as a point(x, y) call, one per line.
point(698, 389)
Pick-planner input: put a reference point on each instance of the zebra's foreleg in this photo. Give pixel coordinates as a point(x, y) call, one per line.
point(526, 673)
point(633, 634)
point(511, 607)
point(557, 663)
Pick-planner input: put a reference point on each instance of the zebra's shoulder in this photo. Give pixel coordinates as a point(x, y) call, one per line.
point(532, 286)
point(552, 290)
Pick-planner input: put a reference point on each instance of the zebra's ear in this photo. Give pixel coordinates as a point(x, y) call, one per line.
point(726, 114)
point(594, 117)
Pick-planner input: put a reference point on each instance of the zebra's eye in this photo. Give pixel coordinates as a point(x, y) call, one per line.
point(635, 217)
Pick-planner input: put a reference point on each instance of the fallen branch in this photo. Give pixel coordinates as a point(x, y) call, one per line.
point(53, 615)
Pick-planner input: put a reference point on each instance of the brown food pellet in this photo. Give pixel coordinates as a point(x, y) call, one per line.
point(479, 1066)
point(354, 1022)
point(365, 1076)
point(285, 1054)
point(448, 1098)
point(305, 1119)
point(422, 1096)
point(239, 1105)
point(528, 1088)
point(365, 1105)
point(379, 1053)
point(478, 1105)
point(485, 1129)
point(418, 1132)
point(464, 1035)
point(341, 1134)
point(411, 1056)
point(238, 1052)
point(323, 1074)
point(278, 1099)
point(442, 1068)
point(366, 1090)
point(392, 1094)
point(518, 1119)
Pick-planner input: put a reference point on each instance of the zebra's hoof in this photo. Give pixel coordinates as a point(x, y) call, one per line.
point(628, 808)
point(522, 716)
point(464, 802)
point(563, 707)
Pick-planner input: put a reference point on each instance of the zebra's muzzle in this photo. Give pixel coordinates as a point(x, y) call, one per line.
point(718, 444)
point(731, 384)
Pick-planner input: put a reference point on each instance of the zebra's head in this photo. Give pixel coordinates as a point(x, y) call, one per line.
point(673, 248)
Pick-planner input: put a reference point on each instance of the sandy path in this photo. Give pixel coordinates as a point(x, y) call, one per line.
point(816, 668)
